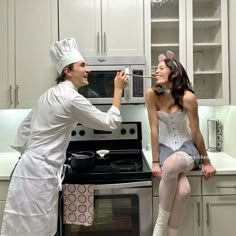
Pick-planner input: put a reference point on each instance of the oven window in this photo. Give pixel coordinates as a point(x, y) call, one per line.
point(116, 215)
point(101, 85)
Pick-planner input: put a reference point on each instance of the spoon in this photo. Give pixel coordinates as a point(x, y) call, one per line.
point(102, 153)
point(141, 76)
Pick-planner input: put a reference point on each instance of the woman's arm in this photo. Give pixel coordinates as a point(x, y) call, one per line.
point(191, 106)
point(150, 99)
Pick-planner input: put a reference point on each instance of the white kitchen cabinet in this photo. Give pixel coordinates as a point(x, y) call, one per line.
point(103, 27)
point(192, 224)
point(232, 51)
point(2, 207)
point(3, 196)
point(31, 30)
point(35, 31)
point(197, 32)
point(219, 206)
point(5, 96)
point(219, 215)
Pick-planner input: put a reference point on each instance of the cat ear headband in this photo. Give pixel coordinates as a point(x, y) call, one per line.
point(169, 55)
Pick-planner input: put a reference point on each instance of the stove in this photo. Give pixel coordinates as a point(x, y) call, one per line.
point(123, 161)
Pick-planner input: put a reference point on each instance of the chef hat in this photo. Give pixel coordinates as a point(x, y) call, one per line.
point(65, 52)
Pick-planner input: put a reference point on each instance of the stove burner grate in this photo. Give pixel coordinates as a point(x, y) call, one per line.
point(125, 166)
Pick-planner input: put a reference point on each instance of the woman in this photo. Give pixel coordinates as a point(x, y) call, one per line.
point(179, 147)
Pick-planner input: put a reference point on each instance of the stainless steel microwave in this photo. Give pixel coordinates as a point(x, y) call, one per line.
point(101, 79)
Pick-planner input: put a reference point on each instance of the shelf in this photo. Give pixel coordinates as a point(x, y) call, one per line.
point(164, 25)
point(207, 45)
point(209, 72)
point(203, 23)
point(166, 20)
point(164, 45)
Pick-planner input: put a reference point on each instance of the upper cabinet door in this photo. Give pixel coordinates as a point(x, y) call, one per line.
point(35, 31)
point(82, 20)
point(103, 27)
point(168, 30)
point(5, 88)
point(197, 32)
point(207, 45)
point(122, 27)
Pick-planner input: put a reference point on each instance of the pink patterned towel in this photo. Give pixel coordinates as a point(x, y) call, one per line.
point(78, 204)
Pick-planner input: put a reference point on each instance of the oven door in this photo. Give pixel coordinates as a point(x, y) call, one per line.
point(123, 209)
point(101, 84)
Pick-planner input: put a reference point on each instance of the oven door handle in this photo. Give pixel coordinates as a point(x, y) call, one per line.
point(123, 185)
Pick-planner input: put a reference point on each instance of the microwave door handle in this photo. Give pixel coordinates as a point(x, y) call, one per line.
point(126, 90)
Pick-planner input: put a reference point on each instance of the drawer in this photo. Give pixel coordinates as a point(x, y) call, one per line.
point(219, 185)
point(195, 184)
point(3, 190)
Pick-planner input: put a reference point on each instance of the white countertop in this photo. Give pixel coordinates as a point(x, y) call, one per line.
point(7, 163)
point(224, 164)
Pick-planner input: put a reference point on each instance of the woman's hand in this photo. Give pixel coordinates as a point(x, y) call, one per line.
point(156, 170)
point(208, 170)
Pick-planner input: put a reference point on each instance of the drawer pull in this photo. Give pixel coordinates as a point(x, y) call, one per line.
point(208, 214)
point(198, 214)
point(223, 186)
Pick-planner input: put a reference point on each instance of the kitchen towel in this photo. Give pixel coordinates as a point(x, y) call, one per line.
point(78, 204)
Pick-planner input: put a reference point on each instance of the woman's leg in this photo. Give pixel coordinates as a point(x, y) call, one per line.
point(172, 167)
point(179, 205)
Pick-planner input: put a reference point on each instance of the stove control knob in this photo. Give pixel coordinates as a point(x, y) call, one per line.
point(132, 131)
point(81, 132)
point(123, 131)
point(73, 133)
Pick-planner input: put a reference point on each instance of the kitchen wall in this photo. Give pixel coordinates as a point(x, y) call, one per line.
point(227, 115)
point(10, 120)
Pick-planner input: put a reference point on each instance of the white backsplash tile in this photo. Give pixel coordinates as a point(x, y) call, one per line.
point(10, 120)
point(227, 116)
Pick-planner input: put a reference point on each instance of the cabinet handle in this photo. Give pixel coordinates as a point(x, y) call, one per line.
point(10, 95)
point(105, 42)
point(221, 186)
point(208, 214)
point(198, 214)
point(98, 43)
point(16, 95)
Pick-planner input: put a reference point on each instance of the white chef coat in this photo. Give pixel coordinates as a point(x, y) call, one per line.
point(42, 139)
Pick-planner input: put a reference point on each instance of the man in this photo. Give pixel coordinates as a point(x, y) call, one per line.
point(42, 140)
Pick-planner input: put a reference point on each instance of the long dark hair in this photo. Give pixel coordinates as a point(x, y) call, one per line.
point(179, 79)
point(61, 77)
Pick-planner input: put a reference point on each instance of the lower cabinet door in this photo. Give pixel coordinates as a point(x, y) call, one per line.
point(2, 207)
point(219, 215)
point(192, 224)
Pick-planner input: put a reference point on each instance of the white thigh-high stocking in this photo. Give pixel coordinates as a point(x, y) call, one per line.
point(172, 167)
point(180, 202)
point(160, 228)
point(173, 232)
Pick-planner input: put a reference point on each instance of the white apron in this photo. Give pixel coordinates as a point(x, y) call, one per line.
point(32, 201)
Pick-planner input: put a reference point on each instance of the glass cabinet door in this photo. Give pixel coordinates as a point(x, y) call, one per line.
point(167, 29)
point(207, 46)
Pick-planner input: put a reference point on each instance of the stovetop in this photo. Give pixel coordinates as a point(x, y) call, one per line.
point(125, 161)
